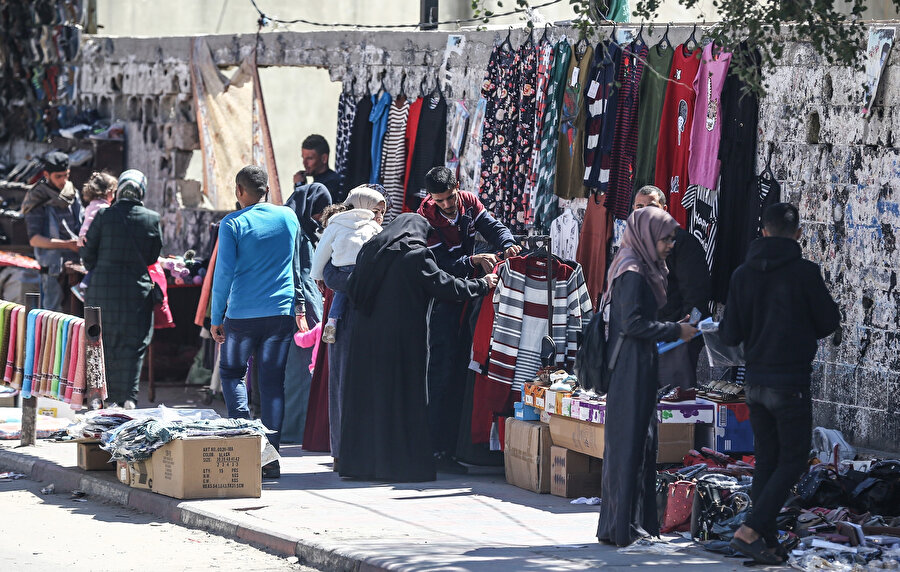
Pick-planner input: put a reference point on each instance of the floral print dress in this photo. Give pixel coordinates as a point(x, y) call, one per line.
point(499, 91)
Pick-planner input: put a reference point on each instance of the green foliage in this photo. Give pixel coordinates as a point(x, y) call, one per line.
point(837, 35)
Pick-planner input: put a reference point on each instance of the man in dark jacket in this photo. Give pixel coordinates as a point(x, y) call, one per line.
point(778, 307)
point(688, 287)
point(455, 216)
point(53, 215)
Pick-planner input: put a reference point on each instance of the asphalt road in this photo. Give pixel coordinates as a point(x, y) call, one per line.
point(57, 532)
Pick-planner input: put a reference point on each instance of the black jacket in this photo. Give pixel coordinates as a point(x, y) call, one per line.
point(778, 306)
point(689, 284)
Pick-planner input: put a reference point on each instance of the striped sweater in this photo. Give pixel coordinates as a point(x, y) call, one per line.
point(520, 317)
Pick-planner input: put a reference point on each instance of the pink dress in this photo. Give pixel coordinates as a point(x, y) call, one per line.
point(706, 132)
point(89, 213)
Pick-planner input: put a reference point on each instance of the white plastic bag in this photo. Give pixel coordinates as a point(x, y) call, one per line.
point(719, 354)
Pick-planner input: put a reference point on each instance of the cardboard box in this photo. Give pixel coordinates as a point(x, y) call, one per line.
point(209, 467)
point(136, 474)
point(540, 395)
point(577, 435)
point(527, 455)
point(92, 458)
point(675, 439)
point(574, 474)
point(734, 434)
point(550, 401)
point(526, 412)
point(528, 394)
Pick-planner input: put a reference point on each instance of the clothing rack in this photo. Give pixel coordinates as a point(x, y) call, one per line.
point(544, 240)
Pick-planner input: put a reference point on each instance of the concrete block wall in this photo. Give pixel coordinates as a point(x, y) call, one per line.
point(841, 169)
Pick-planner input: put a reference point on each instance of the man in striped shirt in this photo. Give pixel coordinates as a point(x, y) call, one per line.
point(455, 216)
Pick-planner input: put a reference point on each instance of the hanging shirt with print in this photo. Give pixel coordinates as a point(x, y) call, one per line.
point(706, 131)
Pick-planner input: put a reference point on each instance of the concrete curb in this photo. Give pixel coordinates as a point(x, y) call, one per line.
point(67, 479)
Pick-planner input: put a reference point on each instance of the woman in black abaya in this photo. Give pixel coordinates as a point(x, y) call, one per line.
point(384, 430)
point(637, 289)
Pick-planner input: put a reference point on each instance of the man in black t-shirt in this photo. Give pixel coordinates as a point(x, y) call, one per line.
point(315, 152)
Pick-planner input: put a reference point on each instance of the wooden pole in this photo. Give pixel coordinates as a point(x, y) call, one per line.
point(29, 405)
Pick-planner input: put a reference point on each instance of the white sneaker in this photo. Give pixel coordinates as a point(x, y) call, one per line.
point(129, 404)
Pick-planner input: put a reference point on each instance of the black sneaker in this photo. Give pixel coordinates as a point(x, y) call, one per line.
point(443, 463)
point(272, 470)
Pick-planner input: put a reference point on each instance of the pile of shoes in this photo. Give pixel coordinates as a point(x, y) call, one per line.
point(722, 391)
point(40, 44)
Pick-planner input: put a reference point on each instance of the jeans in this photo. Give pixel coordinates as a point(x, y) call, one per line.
point(51, 293)
point(339, 301)
point(267, 340)
point(782, 433)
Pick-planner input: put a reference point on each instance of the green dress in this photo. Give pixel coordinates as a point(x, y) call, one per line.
point(120, 243)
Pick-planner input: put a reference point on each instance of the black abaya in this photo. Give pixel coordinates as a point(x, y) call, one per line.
point(384, 429)
point(628, 509)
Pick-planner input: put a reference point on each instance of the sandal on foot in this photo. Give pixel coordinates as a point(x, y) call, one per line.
point(756, 550)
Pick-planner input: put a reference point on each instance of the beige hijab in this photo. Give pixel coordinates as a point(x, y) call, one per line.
point(363, 197)
point(643, 229)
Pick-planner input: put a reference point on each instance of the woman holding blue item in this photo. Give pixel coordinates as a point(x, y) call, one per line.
point(635, 293)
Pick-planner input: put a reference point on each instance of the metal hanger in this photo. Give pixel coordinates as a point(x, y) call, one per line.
point(544, 35)
point(639, 39)
point(529, 41)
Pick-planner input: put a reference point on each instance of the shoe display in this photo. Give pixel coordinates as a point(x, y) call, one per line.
point(272, 470)
point(678, 395)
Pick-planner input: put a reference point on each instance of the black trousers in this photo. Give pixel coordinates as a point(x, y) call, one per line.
point(446, 375)
point(782, 433)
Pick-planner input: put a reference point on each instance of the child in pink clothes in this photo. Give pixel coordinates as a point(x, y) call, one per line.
point(98, 192)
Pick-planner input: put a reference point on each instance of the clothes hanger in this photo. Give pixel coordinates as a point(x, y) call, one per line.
point(423, 91)
point(767, 171)
point(529, 41)
point(664, 43)
point(507, 44)
point(639, 39)
point(692, 39)
point(544, 35)
point(580, 46)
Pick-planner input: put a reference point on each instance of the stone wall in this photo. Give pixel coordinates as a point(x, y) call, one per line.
point(843, 170)
point(840, 168)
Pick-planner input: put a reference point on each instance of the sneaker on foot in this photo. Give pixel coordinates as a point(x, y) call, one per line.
point(329, 333)
point(129, 404)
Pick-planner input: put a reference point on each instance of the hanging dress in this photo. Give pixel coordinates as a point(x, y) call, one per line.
point(569, 182)
point(499, 91)
point(393, 157)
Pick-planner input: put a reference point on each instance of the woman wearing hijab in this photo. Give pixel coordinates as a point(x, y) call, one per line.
point(384, 429)
point(123, 240)
point(636, 291)
point(307, 202)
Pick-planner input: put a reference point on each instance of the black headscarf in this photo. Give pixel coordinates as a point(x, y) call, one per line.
point(309, 200)
point(407, 232)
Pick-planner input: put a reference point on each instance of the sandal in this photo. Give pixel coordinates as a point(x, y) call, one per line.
point(756, 550)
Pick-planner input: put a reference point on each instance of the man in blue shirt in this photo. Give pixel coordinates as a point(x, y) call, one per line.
point(256, 296)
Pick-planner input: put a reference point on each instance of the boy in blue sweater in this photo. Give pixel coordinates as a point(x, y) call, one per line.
point(256, 298)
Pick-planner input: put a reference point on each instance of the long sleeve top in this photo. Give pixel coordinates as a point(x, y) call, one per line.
point(255, 276)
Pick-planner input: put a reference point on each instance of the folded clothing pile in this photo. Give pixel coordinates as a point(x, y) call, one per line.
point(96, 422)
point(136, 440)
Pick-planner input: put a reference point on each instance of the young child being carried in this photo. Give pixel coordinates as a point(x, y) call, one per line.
point(347, 227)
point(98, 192)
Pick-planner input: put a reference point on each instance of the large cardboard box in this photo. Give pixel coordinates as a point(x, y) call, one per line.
point(574, 474)
point(92, 458)
point(577, 435)
point(526, 455)
point(731, 432)
point(209, 467)
point(135, 474)
point(675, 439)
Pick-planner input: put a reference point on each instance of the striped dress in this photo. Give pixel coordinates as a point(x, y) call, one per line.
point(520, 317)
point(624, 153)
point(393, 158)
point(542, 82)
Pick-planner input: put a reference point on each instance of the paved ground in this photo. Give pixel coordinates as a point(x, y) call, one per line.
point(57, 532)
point(474, 522)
